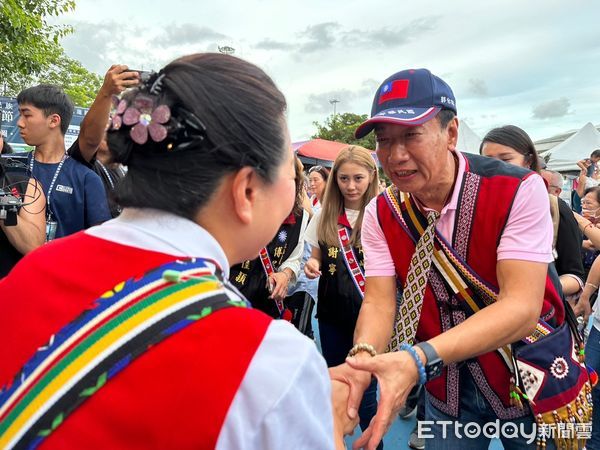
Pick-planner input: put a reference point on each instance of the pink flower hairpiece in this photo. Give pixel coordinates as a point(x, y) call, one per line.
point(143, 116)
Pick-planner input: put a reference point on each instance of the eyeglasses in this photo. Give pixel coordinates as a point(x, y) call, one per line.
point(315, 169)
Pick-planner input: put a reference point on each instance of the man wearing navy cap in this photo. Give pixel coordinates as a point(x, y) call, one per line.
point(490, 217)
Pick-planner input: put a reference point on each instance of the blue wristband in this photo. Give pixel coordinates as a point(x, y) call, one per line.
point(415, 356)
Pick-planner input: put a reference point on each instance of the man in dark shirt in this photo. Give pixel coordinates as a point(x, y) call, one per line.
point(75, 197)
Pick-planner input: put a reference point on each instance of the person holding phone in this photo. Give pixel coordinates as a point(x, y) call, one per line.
point(90, 147)
point(590, 165)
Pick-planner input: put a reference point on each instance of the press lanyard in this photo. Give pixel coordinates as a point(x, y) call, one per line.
point(54, 178)
point(112, 185)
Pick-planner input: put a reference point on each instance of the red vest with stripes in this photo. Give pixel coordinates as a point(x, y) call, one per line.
point(487, 192)
point(176, 395)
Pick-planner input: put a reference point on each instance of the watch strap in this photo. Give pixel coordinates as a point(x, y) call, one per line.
point(434, 365)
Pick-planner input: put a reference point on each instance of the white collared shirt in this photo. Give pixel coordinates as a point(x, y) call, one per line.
point(284, 399)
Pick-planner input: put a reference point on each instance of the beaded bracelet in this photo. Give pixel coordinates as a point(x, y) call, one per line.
point(415, 356)
point(287, 275)
point(362, 347)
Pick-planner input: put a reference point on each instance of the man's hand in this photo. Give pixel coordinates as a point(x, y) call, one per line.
point(397, 374)
point(117, 79)
point(342, 424)
point(312, 268)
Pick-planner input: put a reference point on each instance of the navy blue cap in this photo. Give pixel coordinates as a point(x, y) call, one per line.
point(410, 97)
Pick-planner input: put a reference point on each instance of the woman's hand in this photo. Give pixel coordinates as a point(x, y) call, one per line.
point(583, 308)
point(312, 268)
point(342, 424)
point(581, 221)
point(357, 380)
point(587, 245)
point(279, 282)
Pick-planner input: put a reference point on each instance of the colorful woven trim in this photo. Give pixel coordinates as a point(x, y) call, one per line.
point(351, 260)
point(88, 352)
point(265, 260)
point(541, 329)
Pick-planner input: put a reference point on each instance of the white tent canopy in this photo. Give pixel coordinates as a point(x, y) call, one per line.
point(468, 141)
point(564, 156)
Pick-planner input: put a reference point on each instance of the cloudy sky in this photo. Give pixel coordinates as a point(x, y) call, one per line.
point(535, 64)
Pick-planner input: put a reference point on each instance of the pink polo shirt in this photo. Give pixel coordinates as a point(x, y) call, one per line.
point(527, 235)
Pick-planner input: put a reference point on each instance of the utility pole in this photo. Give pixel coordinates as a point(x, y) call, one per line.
point(334, 102)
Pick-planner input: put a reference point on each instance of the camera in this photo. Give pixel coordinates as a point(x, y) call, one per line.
point(10, 203)
point(9, 208)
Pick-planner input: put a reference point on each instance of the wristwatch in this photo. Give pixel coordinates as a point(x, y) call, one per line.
point(434, 366)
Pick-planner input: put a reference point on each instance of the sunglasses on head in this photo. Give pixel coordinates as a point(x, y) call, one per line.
point(315, 169)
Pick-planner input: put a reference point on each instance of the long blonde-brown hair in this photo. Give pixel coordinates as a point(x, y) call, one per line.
point(333, 200)
point(299, 167)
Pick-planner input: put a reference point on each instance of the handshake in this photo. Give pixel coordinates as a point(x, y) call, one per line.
point(396, 374)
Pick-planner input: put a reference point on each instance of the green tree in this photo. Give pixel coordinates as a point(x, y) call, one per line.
point(341, 127)
point(28, 43)
point(78, 82)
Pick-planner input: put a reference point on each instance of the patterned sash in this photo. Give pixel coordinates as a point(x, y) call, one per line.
point(124, 323)
point(351, 260)
point(265, 260)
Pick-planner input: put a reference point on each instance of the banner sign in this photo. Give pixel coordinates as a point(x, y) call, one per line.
point(10, 114)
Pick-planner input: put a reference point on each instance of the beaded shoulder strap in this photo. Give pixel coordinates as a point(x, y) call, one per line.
point(82, 357)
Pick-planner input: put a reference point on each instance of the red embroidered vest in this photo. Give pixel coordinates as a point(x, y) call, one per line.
point(486, 196)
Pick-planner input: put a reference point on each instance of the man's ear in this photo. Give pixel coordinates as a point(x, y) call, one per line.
point(54, 121)
point(452, 129)
point(244, 189)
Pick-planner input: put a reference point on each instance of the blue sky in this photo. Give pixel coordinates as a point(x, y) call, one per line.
point(533, 64)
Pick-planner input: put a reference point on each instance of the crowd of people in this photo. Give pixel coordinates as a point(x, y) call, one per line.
point(159, 278)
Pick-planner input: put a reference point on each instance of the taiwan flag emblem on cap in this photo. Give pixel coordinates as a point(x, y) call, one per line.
point(393, 90)
point(409, 98)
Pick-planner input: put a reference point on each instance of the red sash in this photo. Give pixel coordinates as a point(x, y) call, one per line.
point(351, 260)
point(265, 259)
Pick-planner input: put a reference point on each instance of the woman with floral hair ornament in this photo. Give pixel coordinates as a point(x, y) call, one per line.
point(143, 343)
